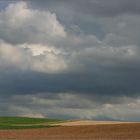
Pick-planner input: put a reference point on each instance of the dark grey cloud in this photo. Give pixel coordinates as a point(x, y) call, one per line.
point(101, 83)
point(111, 8)
point(69, 106)
point(107, 8)
point(72, 59)
point(85, 14)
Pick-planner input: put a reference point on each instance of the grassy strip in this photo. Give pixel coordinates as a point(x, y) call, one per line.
point(6, 127)
point(24, 120)
point(26, 123)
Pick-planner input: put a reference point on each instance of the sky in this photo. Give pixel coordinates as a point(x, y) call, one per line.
point(70, 59)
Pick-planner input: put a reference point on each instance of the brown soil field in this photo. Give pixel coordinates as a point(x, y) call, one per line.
point(123, 131)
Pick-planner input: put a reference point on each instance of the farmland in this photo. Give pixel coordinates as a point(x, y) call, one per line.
point(24, 123)
point(99, 132)
point(17, 128)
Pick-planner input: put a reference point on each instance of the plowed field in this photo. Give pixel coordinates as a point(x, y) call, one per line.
point(105, 131)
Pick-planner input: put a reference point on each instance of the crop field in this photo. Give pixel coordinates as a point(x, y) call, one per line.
point(92, 132)
point(19, 128)
point(24, 123)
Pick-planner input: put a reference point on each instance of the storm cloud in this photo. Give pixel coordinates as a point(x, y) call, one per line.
point(107, 8)
point(82, 62)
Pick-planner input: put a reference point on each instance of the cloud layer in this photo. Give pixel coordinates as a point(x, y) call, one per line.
point(50, 57)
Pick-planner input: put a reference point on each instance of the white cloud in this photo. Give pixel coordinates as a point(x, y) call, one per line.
point(28, 29)
point(19, 24)
point(35, 58)
point(34, 115)
point(26, 112)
